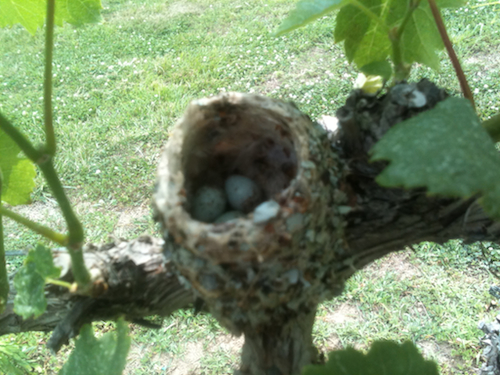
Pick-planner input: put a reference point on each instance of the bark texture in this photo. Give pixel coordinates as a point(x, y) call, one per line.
point(264, 278)
point(132, 279)
point(279, 348)
point(385, 220)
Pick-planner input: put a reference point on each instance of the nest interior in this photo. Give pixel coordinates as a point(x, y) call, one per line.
point(237, 140)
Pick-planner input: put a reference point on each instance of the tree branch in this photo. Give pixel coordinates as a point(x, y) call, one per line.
point(138, 279)
point(134, 279)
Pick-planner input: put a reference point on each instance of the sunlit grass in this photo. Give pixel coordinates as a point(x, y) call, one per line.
point(121, 84)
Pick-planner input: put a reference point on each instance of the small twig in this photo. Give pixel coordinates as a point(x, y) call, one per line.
point(486, 4)
point(464, 85)
point(64, 284)
point(75, 229)
point(24, 144)
point(50, 142)
point(46, 164)
point(58, 238)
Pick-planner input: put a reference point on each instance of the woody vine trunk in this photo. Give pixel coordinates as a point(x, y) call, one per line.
point(263, 271)
point(313, 217)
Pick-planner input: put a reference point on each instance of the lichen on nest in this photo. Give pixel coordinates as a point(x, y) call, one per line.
point(276, 257)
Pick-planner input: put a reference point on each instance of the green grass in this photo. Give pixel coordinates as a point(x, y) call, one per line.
point(121, 84)
point(415, 297)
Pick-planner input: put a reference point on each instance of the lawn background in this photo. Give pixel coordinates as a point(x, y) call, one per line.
point(121, 84)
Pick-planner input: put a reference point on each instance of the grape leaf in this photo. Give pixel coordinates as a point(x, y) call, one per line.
point(30, 299)
point(352, 26)
point(78, 12)
point(31, 13)
point(42, 258)
point(30, 282)
point(307, 11)
point(18, 173)
point(421, 40)
point(378, 68)
point(492, 126)
point(92, 356)
point(365, 40)
point(384, 358)
point(363, 26)
point(445, 150)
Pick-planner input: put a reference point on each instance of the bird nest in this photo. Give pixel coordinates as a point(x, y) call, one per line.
point(250, 218)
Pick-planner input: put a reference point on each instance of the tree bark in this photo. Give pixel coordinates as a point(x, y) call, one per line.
point(282, 348)
point(440, 220)
point(142, 277)
point(132, 279)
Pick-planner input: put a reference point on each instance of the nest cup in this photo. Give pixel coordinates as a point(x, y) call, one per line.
point(276, 253)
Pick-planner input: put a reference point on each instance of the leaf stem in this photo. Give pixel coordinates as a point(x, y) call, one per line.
point(50, 142)
point(4, 283)
point(464, 85)
point(44, 159)
point(64, 284)
point(75, 236)
point(58, 238)
point(75, 229)
point(74, 241)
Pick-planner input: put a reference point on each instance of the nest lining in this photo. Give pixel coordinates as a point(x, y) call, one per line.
point(236, 140)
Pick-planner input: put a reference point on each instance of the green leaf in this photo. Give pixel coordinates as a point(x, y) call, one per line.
point(445, 150)
point(378, 68)
point(18, 172)
point(78, 12)
point(307, 11)
point(384, 358)
point(364, 27)
point(492, 126)
point(31, 13)
point(352, 26)
point(451, 3)
point(365, 40)
point(30, 299)
point(92, 356)
point(42, 258)
point(30, 282)
point(421, 40)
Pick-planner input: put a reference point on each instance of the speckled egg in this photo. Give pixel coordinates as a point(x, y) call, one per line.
point(242, 193)
point(208, 204)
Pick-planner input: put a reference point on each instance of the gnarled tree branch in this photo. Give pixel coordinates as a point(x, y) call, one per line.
point(137, 278)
